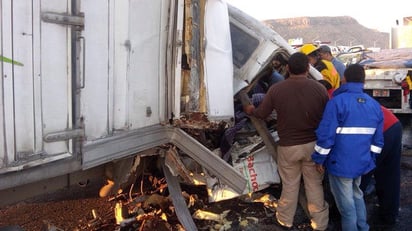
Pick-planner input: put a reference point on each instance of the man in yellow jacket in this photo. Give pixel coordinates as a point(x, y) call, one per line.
point(330, 75)
point(408, 80)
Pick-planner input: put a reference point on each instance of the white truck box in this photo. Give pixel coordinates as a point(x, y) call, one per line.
point(102, 80)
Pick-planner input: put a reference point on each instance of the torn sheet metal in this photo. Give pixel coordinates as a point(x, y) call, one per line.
point(257, 166)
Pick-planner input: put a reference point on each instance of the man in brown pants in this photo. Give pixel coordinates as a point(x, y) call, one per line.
point(299, 103)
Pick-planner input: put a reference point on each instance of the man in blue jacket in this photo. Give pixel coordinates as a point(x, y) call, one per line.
point(349, 137)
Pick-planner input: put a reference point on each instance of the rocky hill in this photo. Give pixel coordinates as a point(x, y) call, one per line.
point(340, 31)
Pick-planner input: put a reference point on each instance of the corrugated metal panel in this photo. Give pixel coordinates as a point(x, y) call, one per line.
point(125, 66)
point(37, 95)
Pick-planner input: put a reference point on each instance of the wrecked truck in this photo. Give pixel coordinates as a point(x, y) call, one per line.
point(104, 84)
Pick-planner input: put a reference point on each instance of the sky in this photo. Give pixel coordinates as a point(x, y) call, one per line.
point(374, 14)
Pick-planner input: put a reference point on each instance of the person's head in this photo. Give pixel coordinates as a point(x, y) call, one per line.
point(325, 52)
point(354, 73)
point(409, 73)
point(311, 51)
point(298, 63)
point(279, 60)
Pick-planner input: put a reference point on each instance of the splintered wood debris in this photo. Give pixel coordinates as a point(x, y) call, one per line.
point(157, 212)
point(154, 205)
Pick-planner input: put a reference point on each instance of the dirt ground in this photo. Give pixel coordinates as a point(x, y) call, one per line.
point(81, 209)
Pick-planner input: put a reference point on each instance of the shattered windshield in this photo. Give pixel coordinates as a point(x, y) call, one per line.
point(243, 45)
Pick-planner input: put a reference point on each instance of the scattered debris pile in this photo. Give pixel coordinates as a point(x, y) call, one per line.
point(149, 206)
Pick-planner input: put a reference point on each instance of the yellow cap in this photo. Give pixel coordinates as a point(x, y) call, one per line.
point(308, 48)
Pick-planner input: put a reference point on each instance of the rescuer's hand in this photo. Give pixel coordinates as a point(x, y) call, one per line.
point(320, 168)
point(248, 109)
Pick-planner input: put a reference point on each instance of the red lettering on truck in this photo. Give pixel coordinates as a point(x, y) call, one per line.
point(252, 173)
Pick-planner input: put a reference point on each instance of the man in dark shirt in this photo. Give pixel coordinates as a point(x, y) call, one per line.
point(387, 172)
point(299, 103)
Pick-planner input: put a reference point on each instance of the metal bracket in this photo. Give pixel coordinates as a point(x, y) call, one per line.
point(63, 135)
point(64, 19)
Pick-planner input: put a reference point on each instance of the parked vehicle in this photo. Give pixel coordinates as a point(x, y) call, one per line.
point(385, 71)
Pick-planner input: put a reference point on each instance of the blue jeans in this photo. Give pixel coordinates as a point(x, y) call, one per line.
point(350, 203)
